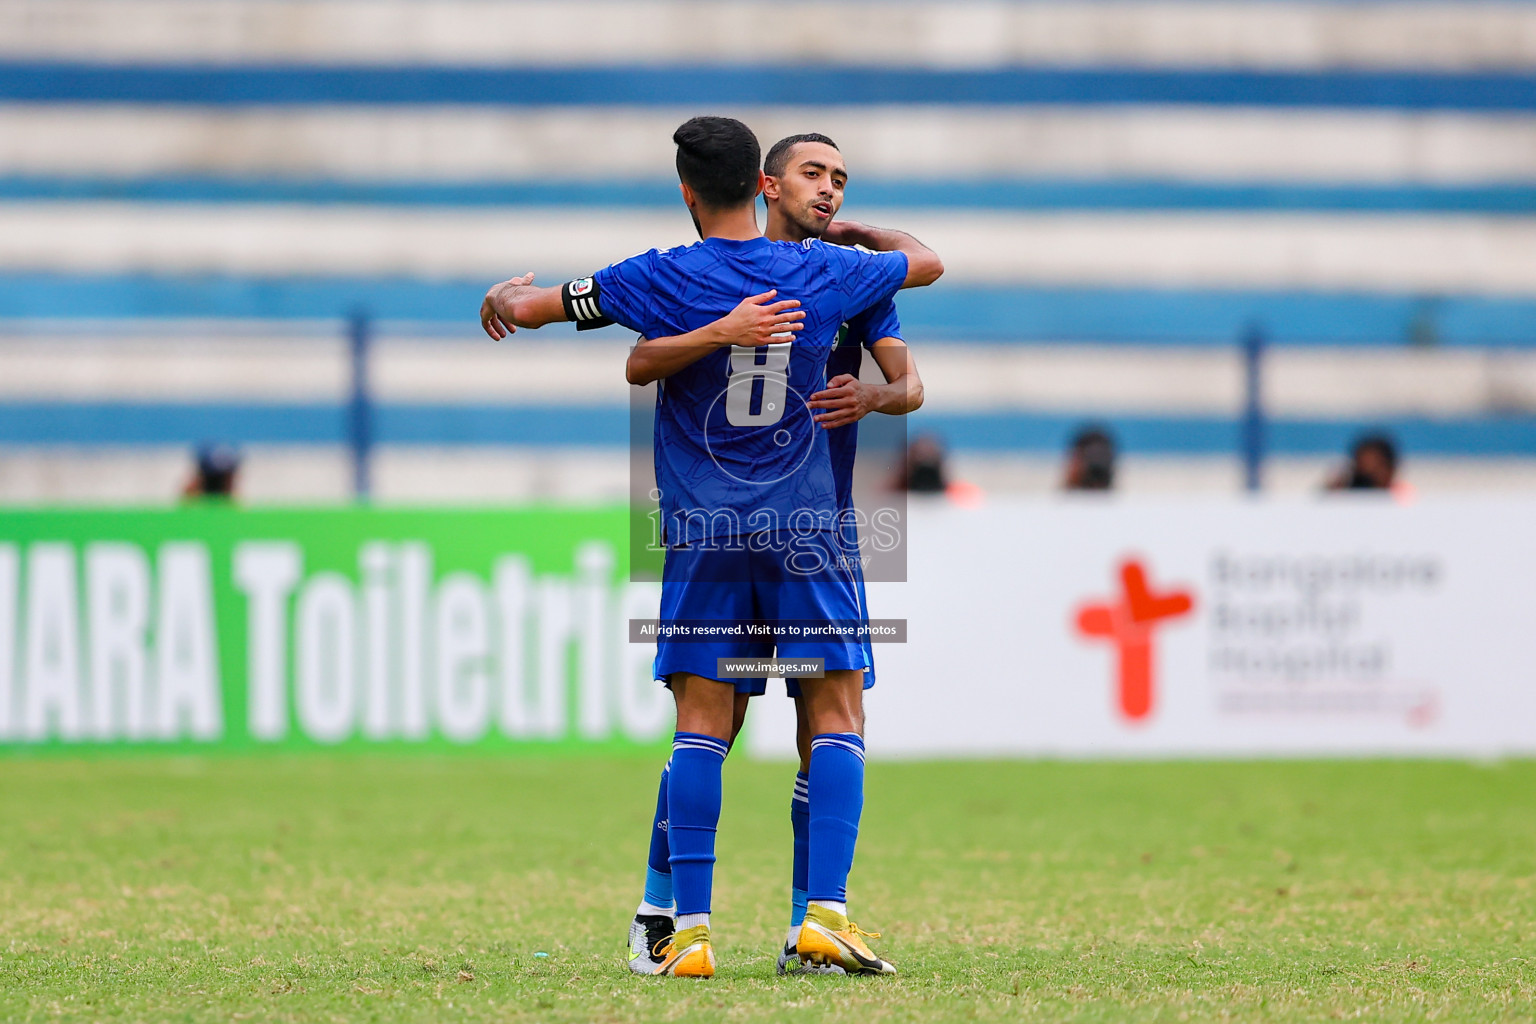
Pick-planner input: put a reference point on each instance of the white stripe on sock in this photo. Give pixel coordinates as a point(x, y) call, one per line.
point(834, 742)
point(684, 745)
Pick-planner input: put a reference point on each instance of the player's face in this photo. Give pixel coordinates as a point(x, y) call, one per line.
point(810, 191)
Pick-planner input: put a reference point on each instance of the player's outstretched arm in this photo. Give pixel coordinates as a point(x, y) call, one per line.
point(757, 320)
point(923, 264)
point(517, 303)
point(847, 399)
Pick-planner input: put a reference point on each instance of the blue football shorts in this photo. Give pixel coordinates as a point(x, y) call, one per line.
point(772, 579)
point(792, 686)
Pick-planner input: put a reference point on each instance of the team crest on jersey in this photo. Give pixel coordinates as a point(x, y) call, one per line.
point(581, 286)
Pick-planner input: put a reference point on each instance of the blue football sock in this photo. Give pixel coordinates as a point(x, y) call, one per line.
point(658, 871)
point(836, 801)
point(693, 812)
point(800, 821)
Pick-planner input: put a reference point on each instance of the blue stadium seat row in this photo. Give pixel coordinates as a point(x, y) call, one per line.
point(605, 426)
point(1005, 314)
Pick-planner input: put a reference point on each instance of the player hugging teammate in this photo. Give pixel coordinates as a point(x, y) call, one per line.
point(754, 450)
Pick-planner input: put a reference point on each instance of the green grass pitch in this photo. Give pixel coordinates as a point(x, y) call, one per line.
point(399, 888)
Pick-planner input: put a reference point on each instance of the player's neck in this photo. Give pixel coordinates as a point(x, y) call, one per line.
point(739, 224)
point(782, 229)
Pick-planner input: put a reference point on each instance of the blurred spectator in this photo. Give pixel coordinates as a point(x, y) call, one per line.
point(1090, 461)
point(216, 474)
point(923, 470)
point(1372, 466)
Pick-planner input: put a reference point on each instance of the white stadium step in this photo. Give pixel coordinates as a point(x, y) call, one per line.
point(1436, 254)
point(444, 144)
point(1016, 474)
point(1107, 380)
point(878, 32)
point(284, 476)
point(310, 475)
point(156, 476)
point(45, 367)
point(208, 369)
point(1078, 378)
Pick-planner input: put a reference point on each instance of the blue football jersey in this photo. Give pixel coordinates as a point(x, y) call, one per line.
point(736, 449)
point(876, 322)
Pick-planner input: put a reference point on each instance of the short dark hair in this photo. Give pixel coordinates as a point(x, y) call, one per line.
point(1094, 447)
point(778, 156)
point(717, 158)
point(217, 465)
point(1379, 442)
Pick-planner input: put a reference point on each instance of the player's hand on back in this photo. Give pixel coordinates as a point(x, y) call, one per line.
point(757, 320)
point(846, 400)
point(491, 319)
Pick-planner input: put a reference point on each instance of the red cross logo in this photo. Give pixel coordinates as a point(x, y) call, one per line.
point(1129, 624)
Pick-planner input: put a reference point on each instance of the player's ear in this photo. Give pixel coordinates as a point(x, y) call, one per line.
point(689, 199)
point(770, 187)
point(761, 184)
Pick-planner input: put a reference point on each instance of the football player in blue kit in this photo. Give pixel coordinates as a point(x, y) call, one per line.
point(749, 507)
point(805, 179)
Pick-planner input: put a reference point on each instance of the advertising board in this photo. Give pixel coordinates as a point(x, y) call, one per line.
point(1207, 628)
point(220, 628)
